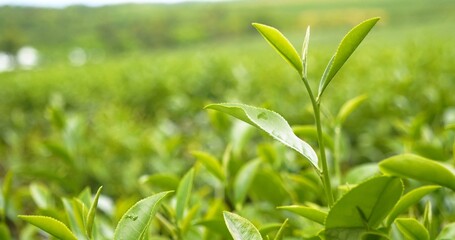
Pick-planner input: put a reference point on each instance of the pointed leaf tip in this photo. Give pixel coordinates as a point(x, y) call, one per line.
point(281, 44)
point(347, 46)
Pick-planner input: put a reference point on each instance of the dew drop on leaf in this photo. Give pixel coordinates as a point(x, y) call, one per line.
point(132, 217)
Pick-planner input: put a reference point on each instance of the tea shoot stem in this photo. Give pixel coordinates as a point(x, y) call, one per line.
point(325, 175)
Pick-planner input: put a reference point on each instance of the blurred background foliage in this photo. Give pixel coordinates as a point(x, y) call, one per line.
point(118, 91)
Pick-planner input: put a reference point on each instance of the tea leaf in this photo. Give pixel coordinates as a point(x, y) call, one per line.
point(161, 180)
point(50, 225)
point(373, 198)
point(347, 46)
point(305, 52)
point(419, 168)
point(240, 228)
point(243, 180)
point(135, 222)
point(448, 232)
point(211, 163)
point(4, 232)
point(281, 44)
point(408, 200)
point(349, 107)
point(270, 122)
point(310, 213)
point(279, 234)
point(412, 229)
point(41, 196)
point(183, 194)
point(74, 209)
point(91, 213)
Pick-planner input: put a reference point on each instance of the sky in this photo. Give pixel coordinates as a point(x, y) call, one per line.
point(64, 3)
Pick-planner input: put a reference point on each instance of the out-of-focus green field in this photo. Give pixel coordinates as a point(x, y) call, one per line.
point(140, 111)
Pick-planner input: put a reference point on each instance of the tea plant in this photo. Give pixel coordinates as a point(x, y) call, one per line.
point(219, 198)
point(369, 209)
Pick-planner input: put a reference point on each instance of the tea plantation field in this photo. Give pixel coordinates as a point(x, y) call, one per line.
point(134, 123)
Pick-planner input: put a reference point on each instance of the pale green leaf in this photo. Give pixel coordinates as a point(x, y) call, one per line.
point(243, 180)
point(408, 200)
point(310, 132)
point(448, 232)
point(211, 163)
point(51, 226)
point(349, 107)
point(135, 222)
point(347, 46)
point(365, 205)
point(41, 196)
point(183, 194)
point(310, 213)
point(412, 229)
point(418, 168)
point(270, 122)
point(76, 215)
point(281, 44)
point(91, 213)
point(240, 228)
point(163, 181)
point(305, 53)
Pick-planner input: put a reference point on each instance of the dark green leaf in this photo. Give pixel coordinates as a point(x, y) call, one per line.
point(412, 229)
point(419, 168)
point(270, 122)
point(347, 46)
point(240, 228)
point(4, 232)
point(281, 44)
point(408, 200)
point(279, 234)
point(51, 226)
point(135, 222)
point(313, 214)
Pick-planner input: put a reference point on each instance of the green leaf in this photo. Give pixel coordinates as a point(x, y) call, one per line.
point(349, 107)
point(243, 180)
point(310, 132)
point(4, 232)
point(91, 213)
point(361, 173)
point(186, 222)
point(279, 234)
point(306, 41)
point(310, 213)
point(366, 205)
point(408, 200)
point(161, 180)
point(74, 209)
point(419, 168)
point(51, 226)
point(428, 219)
point(347, 46)
point(183, 194)
point(211, 163)
point(135, 222)
point(216, 225)
point(6, 190)
point(281, 44)
point(240, 228)
point(448, 232)
point(412, 229)
point(270, 122)
point(41, 195)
